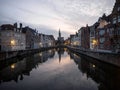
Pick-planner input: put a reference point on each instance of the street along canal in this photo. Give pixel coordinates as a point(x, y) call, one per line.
point(58, 69)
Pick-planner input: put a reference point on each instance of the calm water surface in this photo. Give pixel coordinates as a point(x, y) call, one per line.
point(58, 70)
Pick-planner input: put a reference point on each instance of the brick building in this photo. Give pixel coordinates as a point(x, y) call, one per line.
point(85, 37)
point(102, 34)
point(115, 21)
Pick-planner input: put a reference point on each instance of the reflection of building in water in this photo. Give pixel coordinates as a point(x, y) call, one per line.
point(13, 72)
point(107, 76)
point(60, 51)
point(76, 58)
point(16, 71)
point(44, 56)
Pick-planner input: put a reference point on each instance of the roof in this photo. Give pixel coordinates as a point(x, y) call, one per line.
point(7, 26)
point(27, 28)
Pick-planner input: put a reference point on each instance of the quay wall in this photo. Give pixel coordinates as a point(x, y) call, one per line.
point(107, 57)
point(13, 54)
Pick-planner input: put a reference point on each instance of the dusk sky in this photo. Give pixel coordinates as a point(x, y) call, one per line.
point(47, 16)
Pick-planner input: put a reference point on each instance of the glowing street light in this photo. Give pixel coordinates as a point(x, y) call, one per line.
point(93, 66)
point(94, 42)
point(12, 66)
point(12, 42)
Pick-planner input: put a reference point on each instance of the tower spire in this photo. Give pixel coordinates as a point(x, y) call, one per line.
point(59, 33)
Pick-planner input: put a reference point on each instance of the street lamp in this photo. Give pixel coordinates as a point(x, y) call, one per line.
point(12, 66)
point(94, 43)
point(12, 42)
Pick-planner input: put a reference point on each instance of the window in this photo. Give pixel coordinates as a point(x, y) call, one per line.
point(118, 31)
point(102, 32)
point(111, 31)
point(101, 45)
point(114, 20)
point(118, 8)
point(102, 40)
point(119, 18)
point(108, 30)
point(92, 33)
point(6, 28)
point(8, 34)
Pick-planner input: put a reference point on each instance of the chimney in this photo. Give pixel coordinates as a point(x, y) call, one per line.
point(86, 25)
point(20, 26)
point(15, 26)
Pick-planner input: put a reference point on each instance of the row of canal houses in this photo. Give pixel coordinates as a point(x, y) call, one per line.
point(103, 35)
point(13, 38)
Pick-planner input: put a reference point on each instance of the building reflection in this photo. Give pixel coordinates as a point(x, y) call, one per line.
point(105, 75)
point(17, 70)
point(60, 52)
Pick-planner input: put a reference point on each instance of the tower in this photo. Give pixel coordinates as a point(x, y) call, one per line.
point(59, 34)
point(60, 39)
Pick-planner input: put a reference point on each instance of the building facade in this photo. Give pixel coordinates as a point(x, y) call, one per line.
point(93, 40)
point(12, 38)
point(85, 37)
point(115, 21)
point(102, 36)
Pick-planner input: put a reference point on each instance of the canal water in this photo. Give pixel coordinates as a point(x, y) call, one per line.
point(58, 70)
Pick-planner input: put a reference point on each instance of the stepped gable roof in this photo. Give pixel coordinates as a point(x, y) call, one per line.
point(104, 17)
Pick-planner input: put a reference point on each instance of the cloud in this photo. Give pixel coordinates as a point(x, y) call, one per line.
point(50, 15)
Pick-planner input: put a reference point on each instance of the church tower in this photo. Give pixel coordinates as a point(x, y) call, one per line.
point(60, 39)
point(59, 34)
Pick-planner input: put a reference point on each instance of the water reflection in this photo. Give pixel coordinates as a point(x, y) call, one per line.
point(60, 52)
point(105, 75)
point(58, 69)
point(16, 71)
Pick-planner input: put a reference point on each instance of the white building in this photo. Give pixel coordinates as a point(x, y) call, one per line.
point(47, 40)
point(74, 40)
point(79, 36)
point(11, 38)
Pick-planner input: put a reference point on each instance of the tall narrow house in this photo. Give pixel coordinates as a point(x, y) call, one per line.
point(115, 20)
